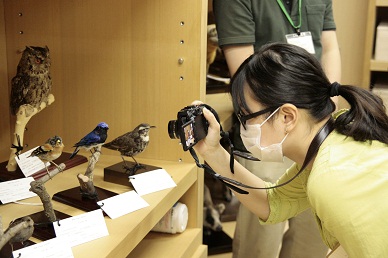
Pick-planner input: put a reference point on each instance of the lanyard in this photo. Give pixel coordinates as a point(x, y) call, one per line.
point(296, 27)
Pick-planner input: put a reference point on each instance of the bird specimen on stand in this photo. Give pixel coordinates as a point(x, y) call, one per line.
point(212, 45)
point(92, 140)
point(32, 82)
point(30, 93)
point(49, 151)
point(130, 144)
point(19, 230)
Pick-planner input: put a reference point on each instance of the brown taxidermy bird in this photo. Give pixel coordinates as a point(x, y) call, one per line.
point(23, 234)
point(51, 150)
point(131, 144)
point(32, 83)
point(212, 45)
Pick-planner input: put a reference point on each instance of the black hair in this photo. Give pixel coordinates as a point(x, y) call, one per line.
point(281, 73)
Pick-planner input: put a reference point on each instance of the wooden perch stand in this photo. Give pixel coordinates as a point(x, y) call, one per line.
point(39, 188)
point(86, 180)
point(18, 232)
point(23, 116)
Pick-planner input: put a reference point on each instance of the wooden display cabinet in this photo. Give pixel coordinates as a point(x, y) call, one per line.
point(377, 11)
point(122, 62)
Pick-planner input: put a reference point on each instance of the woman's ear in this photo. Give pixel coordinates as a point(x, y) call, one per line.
point(290, 115)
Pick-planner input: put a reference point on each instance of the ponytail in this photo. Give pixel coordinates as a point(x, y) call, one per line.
point(366, 119)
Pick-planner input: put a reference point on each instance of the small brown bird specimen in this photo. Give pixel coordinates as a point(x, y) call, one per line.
point(212, 45)
point(49, 151)
point(23, 234)
point(130, 144)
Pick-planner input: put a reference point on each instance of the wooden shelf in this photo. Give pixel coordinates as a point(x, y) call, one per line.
point(371, 65)
point(135, 46)
point(128, 231)
point(180, 245)
point(381, 3)
point(378, 66)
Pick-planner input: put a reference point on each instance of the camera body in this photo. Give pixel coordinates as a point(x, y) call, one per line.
point(190, 126)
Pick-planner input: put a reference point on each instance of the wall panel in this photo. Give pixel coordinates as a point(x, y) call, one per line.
point(112, 61)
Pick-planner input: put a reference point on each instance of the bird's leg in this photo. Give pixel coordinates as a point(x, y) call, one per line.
point(95, 149)
point(136, 167)
point(125, 166)
point(18, 147)
point(92, 152)
point(48, 173)
point(58, 167)
point(128, 170)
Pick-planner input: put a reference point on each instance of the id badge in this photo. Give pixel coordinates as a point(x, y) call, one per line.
point(304, 40)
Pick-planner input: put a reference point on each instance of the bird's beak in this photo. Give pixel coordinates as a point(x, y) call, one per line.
point(152, 126)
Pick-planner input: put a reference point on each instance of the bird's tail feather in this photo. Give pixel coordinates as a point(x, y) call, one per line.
point(74, 153)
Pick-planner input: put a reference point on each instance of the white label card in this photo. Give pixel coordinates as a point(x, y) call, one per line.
point(52, 248)
point(122, 204)
point(29, 165)
point(152, 181)
point(15, 190)
point(304, 40)
point(82, 228)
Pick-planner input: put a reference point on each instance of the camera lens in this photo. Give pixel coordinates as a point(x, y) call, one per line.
point(172, 129)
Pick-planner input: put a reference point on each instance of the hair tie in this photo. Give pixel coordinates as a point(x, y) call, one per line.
point(334, 89)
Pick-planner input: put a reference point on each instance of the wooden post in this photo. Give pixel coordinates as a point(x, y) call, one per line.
point(39, 188)
point(23, 116)
point(86, 180)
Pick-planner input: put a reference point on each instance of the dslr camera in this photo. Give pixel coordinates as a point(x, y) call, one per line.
point(190, 126)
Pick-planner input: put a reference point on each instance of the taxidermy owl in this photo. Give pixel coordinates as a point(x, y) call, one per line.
point(212, 45)
point(32, 83)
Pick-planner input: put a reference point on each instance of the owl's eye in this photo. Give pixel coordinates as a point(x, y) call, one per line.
point(38, 60)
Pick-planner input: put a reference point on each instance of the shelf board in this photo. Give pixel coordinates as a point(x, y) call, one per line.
point(169, 245)
point(125, 232)
point(382, 3)
point(201, 252)
point(378, 66)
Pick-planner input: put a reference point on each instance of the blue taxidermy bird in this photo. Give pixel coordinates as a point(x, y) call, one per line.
point(92, 140)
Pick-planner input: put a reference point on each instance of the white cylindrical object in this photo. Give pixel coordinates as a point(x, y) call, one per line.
point(175, 220)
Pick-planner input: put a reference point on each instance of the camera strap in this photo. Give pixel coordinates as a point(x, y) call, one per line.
point(234, 185)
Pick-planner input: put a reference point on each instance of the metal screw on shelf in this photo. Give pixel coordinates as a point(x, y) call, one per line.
point(21, 32)
point(182, 41)
point(180, 61)
point(180, 160)
point(20, 14)
point(182, 23)
point(181, 78)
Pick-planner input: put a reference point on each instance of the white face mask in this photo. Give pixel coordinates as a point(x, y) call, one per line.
point(251, 137)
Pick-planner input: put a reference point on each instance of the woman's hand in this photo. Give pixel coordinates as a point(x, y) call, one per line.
point(212, 141)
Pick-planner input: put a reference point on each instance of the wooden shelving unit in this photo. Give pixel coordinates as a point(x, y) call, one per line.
point(124, 63)
point(377, 10)
point(130, 234)
point(378, 66)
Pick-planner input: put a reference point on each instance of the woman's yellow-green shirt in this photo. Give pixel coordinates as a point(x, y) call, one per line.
point(347, 189)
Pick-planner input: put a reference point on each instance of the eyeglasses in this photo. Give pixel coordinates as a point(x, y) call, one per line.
point(244, 118)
